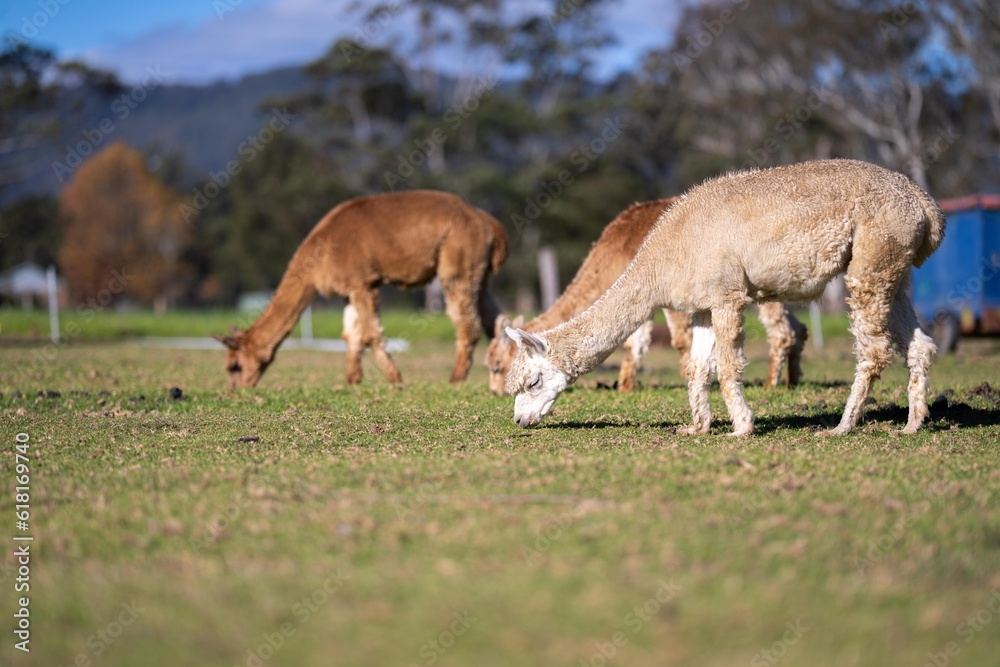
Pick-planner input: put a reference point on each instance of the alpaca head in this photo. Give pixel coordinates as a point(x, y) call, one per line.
point(243, 363)
point(500, 352)
point(533, 380)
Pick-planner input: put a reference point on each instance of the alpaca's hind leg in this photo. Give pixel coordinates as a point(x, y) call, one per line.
point(460, 304)
point(870, 306)
point(488, 310)
point(636, 348)
point(786, 336)
point(371, 335)
point(795, 352)
point(679, 324)
point(700, 372)
point(919, 349)
point(729, 335)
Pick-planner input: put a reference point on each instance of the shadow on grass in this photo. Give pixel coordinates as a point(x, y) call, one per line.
point(959, 414)
point(940, 418)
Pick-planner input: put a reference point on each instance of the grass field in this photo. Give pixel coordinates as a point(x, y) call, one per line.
point(306, 522)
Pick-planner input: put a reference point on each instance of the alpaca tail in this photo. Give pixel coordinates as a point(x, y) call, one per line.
point(933, 233)
point(499, 249)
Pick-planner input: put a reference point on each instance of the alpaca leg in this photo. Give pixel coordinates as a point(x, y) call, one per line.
point(636, 348)
point(488, 309)
point(460, 305)
point(370, 328)
point(919, 349)
point(680, 338)
point(352, 336)
point(780, 338)
point(870, 307)
point(700, 372)
point(801, 334)
point(729, 334)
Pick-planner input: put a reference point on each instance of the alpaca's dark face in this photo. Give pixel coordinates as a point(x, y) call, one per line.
point(244, 368)
point(500, 353)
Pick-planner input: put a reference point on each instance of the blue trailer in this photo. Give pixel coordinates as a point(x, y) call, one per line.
point(957, 290)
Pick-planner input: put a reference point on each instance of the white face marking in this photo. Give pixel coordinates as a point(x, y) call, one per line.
point(536, 384)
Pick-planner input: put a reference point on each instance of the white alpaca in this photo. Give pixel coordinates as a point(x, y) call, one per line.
point(758, 236)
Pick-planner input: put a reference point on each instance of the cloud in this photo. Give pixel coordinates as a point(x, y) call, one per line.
point(232, 41)
point(235, 39)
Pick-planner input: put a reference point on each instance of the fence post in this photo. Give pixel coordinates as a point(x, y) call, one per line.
point(548, 276)
point(52, 284)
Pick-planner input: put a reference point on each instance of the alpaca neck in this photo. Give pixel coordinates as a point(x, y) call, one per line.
point(581, 344)
point(559, 312)
point(295, 292)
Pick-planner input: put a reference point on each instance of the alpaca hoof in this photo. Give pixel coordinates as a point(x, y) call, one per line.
point(741, 433)
point(910, 429)
point(692, 430)
point(833, 431)
point(625, 387)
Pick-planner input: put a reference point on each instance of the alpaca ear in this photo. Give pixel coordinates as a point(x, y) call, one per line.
point(525, 340)
point(518, 322)
point(502, 322)
point(228, 341)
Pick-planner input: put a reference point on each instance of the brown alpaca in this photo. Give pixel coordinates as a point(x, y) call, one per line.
point(758, 236)
point(607, 259)
point(402, 238)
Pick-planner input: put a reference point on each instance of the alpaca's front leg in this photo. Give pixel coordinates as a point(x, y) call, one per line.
point(699, 373)
point(679, 324)
point(355, 348)
point(636, 348)
point(728, 325)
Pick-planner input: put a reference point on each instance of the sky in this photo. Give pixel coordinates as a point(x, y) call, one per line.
point(200, 41)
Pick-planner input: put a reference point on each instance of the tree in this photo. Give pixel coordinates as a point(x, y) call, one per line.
point(777, 82)
point(250, 231)
point(124, 232)
point(29, 231)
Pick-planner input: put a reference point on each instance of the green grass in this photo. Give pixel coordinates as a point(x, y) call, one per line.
point(220, 516)
point(20, 326)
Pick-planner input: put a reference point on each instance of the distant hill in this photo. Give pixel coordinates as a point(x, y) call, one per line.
point(204, 125)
